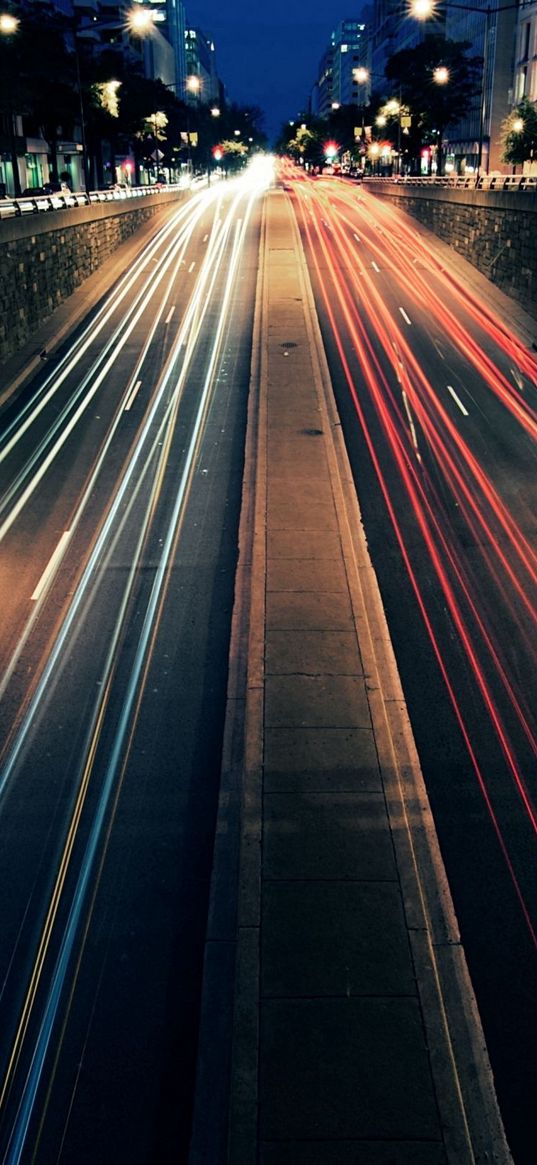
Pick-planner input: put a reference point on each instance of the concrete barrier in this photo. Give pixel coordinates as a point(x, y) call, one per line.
point(45, 257)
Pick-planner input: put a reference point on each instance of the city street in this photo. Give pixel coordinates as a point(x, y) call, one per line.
point(121, 482)
point(120, 487)
point(438, 402)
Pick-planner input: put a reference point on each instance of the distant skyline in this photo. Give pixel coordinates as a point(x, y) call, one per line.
point(268, 56)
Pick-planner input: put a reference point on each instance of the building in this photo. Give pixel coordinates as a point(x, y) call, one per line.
point(336, 82)
point(321, 98)
point(201, 66)
point(492, 36)
point(349, 44)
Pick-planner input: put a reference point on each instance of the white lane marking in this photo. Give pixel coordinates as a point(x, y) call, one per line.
point(205, 237)
point(457, 400)
point(374, 265)
point(169, 316)
point(358, 240)
point(404, 315)
point(133, 394)
point(191, 268)
point(411, 425)
point(49, 570)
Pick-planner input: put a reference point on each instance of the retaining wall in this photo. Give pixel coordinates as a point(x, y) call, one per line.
point(494, 230)
point(45, 257)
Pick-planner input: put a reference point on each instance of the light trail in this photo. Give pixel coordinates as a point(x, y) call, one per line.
point(385, 358)
point(150, 469)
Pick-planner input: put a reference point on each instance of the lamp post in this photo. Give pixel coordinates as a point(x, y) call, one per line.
point(424, 9)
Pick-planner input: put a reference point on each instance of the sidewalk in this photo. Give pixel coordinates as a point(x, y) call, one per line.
point(338, 1020)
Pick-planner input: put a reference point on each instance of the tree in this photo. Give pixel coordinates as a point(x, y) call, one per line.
point(519, 134)
point(435, 104)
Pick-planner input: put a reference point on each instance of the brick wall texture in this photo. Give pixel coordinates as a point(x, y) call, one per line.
point(44, 260)
point(494, 230)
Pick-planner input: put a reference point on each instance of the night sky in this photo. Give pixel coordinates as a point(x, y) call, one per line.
point(268, 55)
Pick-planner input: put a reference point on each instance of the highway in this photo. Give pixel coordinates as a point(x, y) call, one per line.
point(121, 475)
point(120, 485)
point(438, 402)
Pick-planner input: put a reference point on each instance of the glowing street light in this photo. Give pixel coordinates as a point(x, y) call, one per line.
point(8, 24)
point(141, 21)
point(441, 75)
point(517, 125)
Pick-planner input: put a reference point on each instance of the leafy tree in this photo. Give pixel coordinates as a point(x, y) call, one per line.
point(519, 134)
point(435, 106)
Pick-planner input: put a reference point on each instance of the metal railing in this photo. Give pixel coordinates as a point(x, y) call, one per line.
point(38, 203)
point(511, 182)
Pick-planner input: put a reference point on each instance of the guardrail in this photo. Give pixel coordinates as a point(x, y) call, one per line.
point(38, 203)
point(512, 182)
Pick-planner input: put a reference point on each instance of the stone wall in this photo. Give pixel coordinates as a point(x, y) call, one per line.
point(45, 257)
point(495, 230)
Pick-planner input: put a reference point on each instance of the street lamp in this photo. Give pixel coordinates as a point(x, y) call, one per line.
point(424, 9)
point(193, 85)
point(8, 24)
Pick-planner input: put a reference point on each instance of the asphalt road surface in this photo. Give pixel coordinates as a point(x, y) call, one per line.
point(438, 402)
point(120, 478)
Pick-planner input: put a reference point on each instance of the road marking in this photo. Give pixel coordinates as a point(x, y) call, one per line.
point(404, 315)
point(356, 237)
point(374, 265)
point(134, 392)
point(411, 425)
point(458, 401)
point(49, 570)
point(169, 316)
point(205, 237)
point(191, 268)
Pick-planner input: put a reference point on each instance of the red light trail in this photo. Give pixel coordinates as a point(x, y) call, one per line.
point(441, 463)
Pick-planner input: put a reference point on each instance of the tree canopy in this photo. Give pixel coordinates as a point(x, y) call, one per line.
point(519, 134)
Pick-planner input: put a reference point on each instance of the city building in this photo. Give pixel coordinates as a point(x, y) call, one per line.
point(201, 65)
point(349, 48)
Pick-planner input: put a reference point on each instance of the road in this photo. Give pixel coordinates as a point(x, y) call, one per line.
point(438, 402)
point(120, 479)
point(121, 475)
